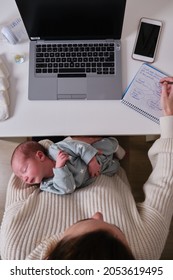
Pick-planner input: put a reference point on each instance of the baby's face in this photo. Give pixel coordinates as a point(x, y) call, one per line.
point(30, 170)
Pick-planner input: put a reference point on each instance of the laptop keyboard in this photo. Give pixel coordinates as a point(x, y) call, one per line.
point(75, 59)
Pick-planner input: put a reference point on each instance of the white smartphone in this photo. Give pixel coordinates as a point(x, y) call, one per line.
point(147, 39)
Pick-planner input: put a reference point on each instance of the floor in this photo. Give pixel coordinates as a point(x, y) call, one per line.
point(138, 168)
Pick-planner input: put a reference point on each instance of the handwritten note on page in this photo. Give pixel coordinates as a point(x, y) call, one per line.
point(143, 94)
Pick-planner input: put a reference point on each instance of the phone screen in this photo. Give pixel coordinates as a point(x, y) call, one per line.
point(147, 39)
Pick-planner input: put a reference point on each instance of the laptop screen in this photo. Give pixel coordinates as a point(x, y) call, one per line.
point(72, 19)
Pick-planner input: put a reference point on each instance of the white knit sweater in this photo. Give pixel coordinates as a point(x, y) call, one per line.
point(34, 220)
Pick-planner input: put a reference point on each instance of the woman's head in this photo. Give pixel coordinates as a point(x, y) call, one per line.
point(92, 239)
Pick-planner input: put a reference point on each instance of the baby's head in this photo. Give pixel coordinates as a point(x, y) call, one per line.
point(28, 162)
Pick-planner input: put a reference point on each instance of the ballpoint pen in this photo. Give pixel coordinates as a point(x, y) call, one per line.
point(169, 83)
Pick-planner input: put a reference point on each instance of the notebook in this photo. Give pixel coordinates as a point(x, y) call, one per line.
point(143, 93)
point(75, 48)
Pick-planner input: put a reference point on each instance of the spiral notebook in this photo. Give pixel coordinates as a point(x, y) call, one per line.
point(143, 93)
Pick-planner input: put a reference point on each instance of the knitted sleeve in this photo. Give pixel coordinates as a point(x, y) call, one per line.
point(159, 187)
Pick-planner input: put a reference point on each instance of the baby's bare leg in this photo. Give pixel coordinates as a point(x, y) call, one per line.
point(87, 139)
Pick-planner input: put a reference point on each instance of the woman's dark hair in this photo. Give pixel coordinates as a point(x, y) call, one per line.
point(96, 245)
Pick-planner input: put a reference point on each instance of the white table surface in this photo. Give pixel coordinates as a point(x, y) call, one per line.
point(39, 118)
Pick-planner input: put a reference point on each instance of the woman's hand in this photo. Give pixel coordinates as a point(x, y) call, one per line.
point(167, 96)
point(94, 167)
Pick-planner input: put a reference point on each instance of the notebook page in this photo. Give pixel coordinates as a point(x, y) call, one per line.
point(143, 94)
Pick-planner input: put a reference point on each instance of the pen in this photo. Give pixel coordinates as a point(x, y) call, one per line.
point(169, 83)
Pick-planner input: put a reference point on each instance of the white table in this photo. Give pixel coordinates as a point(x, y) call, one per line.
point(38, 118)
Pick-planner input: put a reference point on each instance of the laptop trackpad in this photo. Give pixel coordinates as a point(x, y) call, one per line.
point(72, 88)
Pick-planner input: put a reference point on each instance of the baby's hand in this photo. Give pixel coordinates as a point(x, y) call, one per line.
point(62, 157)
point(94, 167)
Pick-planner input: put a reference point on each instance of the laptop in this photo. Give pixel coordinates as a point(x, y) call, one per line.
point(75, 48)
